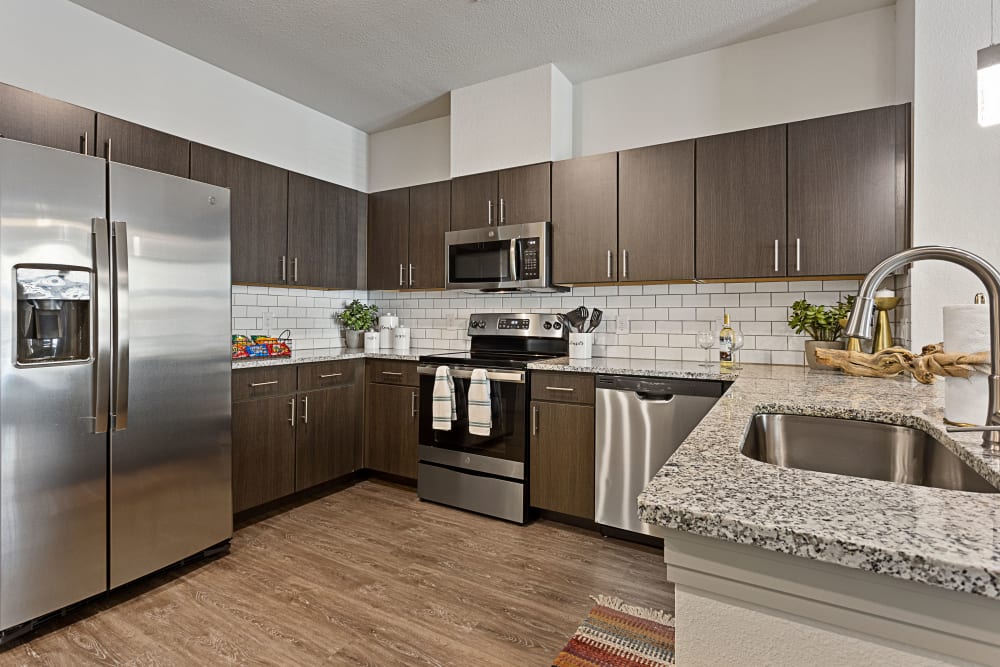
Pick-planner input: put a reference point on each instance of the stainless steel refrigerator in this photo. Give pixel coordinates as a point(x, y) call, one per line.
point(114, 376)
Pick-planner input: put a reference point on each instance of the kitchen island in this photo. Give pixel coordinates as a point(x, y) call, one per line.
point(782, 566)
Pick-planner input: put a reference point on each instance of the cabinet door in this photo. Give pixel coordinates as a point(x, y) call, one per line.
point(585, 219)
point(562, 458)
point(258, 211)
point(474, 201)
point(525, 194)
point(263, 451)
point(430, 218)
point(846, 189)
point(656, 212)
point(322, 234)
point(140, 146)
point(328, 438)
point(388, 224)
point(36, 119)
point(740, 204)
point(391, 430)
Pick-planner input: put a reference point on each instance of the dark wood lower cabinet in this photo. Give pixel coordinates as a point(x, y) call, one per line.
point(561, 453)
point(328, 435)
point(263, 451)
point(392, 429)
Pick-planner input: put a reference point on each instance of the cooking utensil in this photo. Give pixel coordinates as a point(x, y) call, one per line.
point(577, 317)
point(595, 319)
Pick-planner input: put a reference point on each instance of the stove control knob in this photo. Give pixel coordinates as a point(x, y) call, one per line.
point(473, 324)
point(482, 324)
point(557, 326)
point(547, 325)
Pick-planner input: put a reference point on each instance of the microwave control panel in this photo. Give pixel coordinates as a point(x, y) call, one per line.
point(529, 259)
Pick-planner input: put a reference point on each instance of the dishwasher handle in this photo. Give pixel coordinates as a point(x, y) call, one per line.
point(658, 399)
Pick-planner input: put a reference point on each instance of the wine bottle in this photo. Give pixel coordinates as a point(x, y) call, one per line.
point(726, 344)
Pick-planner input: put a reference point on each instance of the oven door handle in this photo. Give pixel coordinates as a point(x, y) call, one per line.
point(462, 374)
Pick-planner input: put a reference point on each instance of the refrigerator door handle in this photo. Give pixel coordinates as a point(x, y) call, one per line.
point(102, 345)
point(119, 244)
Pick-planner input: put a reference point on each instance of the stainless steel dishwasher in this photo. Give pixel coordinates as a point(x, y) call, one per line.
point(640, 423)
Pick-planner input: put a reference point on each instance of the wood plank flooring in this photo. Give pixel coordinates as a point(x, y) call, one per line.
point(368, 575)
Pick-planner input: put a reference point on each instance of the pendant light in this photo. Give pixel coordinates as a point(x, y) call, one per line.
point(988, 79)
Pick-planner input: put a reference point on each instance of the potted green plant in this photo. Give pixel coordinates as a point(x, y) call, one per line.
point(358, 318)
point(823, 324)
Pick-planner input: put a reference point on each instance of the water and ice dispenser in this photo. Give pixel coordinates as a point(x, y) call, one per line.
point(53, 314)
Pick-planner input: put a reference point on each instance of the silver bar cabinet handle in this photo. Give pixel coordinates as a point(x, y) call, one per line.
point(776, 255)
point(624, 263)
point(109, 149)
point(330, 375)
point(413, 404)
point(560, 389)
point(86, 142)
point(489, 212)
point(502, 219)
point(291, 417)
point(284, 268)
point(609, 264)
point(102, 342)
point(254, 385)
point(411, 275)
point(534, 420)
point(393, 373)
point(798, 254)
point(305, 409)
point(119, 245)
point(400, 275)
point(295, 269)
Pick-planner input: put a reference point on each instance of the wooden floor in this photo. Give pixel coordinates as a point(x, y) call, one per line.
point(365, 576)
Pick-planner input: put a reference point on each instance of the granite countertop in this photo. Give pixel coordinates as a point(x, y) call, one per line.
point(943, 538)
point(643, 367)
point(331, 354)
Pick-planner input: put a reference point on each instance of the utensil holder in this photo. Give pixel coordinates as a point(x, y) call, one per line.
point(581, 345)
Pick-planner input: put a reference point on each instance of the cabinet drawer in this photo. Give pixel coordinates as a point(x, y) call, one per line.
point(393, 372)
point(329, 374)
point(261, 382)
point(562, 387)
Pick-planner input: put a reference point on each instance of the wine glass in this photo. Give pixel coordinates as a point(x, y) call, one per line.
point(737, 344)
point(706, 341)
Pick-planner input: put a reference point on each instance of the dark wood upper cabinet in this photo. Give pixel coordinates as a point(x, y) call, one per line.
point(562, 458)
point(140, 146)
point(474, 201)
point(388, 224)
point(656, 212)
point(322, 234)
point(430, 218)
point(740, 204)
point(846, 191)
point(585, 219)
point(525, 194)
point(258, 211)
point(36, 119)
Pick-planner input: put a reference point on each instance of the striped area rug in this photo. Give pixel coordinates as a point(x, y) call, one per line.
point(616, 634)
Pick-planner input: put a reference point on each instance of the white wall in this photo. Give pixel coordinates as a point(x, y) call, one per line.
point(956, 180)
point(64, 51)
point(832, 67)
point(410, 155)
point(508, 121)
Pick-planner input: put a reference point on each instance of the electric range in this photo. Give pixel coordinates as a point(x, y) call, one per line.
point(486, 474)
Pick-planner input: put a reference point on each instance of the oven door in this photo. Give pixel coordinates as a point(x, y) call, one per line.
point(502, 452)
point(499, 258)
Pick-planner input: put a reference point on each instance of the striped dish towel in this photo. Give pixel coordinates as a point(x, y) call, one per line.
point(480, 405)
point(443, 403)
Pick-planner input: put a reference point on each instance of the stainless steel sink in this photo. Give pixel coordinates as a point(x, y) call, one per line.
point(859, 449)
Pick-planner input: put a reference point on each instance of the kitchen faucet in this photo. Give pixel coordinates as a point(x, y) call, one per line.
point(862, 318)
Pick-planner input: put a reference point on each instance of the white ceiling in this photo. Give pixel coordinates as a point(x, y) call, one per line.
point(382, 63)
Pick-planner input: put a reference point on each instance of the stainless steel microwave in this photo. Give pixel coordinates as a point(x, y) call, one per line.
point(504, 258)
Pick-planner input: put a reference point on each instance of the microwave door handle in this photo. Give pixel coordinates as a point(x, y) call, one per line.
point(513, 258)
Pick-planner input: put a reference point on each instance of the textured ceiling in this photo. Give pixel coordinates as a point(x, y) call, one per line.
point(380, 63)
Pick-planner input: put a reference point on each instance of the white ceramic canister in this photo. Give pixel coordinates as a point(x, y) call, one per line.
point(401, 339)
point(581, 345)
point(386, 324)
point(371, 341)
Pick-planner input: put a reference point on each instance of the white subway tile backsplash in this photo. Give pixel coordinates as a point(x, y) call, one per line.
point(663, 319)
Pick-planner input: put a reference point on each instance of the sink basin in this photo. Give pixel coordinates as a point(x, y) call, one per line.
point(859, 449)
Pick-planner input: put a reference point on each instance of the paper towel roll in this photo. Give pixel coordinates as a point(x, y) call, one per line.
point(966, 329)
